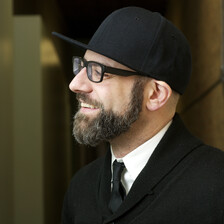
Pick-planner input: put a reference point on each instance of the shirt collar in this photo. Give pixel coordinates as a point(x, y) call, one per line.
point(136, 160)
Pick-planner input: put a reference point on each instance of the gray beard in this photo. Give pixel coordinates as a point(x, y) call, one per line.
point(107, 125)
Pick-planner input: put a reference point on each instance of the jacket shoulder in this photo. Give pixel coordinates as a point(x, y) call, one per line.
point(89, 171)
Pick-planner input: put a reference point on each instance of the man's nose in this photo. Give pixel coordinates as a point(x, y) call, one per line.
point(81, 83)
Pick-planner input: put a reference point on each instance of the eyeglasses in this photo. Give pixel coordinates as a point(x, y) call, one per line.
point(95, 70)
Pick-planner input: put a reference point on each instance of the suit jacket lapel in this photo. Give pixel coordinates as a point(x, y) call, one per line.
point(104, 189)
point(176, 144)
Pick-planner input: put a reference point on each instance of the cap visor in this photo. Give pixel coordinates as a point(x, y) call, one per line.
point(70, 40)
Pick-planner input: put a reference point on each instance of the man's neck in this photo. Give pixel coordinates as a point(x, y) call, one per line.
point(136, 136)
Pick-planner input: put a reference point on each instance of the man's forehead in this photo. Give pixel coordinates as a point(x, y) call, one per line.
point(93, 56)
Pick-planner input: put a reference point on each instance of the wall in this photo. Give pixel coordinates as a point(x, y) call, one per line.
point(35, 147)
point(27, 121)
point(41, 125)
point(202, 107)
point(6, 146)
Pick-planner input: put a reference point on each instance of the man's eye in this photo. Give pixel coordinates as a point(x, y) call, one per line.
point(98, 73)
point(96, 70)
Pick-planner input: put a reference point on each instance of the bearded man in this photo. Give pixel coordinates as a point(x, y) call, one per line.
point(128, 84)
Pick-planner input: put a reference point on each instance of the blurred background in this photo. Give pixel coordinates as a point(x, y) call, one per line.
point(38, 155)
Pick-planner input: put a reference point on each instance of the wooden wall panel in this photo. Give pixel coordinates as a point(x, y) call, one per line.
point(202, 105)
point(6, 132)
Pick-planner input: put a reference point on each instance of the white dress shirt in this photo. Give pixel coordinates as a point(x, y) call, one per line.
point(136, 160)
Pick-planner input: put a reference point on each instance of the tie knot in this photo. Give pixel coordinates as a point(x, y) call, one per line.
point(117, 170)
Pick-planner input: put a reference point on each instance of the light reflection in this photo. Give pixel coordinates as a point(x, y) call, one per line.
point(49, 55)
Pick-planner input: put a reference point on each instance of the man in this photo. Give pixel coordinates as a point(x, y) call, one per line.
point(128, 84)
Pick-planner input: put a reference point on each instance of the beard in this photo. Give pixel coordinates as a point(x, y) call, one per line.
point(107, 124)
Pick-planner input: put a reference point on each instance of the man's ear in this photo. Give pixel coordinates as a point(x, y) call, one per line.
point(158, 94)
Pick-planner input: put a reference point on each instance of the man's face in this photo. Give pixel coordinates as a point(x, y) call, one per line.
point(106, 109)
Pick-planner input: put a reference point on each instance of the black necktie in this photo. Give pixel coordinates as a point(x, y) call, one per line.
point(118, 191)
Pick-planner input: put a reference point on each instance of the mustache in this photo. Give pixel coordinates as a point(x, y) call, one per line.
point(86, 99)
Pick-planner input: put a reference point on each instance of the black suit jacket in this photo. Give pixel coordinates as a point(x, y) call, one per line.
point(183, 182)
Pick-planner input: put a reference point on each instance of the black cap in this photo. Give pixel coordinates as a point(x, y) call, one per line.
point(144, 41)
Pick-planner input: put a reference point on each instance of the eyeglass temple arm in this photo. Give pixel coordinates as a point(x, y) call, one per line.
point(120, 71)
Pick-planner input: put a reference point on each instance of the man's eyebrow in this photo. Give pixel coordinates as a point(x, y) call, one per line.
point(104, 64)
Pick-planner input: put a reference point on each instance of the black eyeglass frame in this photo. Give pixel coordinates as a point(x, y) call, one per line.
point(105, 69)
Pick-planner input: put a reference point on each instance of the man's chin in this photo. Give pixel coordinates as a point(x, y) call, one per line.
point(83, 121)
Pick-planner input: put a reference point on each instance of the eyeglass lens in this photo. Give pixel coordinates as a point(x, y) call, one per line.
point(78, 65)
point(94, 70)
